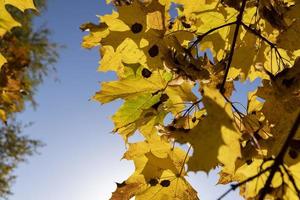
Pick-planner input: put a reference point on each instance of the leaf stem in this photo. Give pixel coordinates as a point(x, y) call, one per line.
point(186, 155)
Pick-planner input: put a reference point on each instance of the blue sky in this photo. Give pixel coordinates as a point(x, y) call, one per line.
point(81, 159)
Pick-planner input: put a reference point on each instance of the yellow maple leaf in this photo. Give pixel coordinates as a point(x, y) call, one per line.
point(215, 137)
point(135, 113)
point(7, 22)
point(127, 52)
point(157, 172)
point(130, 87)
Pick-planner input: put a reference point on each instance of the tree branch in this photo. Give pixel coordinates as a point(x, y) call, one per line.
point(235, 36)
point(279, 158)
point(291, 178)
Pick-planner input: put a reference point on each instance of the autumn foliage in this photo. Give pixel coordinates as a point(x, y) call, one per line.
point(180, 59)
point(25, 56)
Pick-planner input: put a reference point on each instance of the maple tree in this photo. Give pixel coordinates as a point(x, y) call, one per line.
point(25, 57)
point(164, 71)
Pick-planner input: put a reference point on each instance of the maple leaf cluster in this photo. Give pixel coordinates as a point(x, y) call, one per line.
point(185, 65)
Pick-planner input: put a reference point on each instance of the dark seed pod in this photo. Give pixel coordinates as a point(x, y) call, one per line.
point(293, 154)
point(248, 162)
point(185, 25)
point(171, 25)
point(153, 182)
point(165, 183)
point(146, 73)
point(153, 51)
point(194, 119)
point(155, 106)
point(164, 97)
point(136, 28)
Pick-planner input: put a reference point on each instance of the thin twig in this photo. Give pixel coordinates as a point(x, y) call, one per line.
point(271, 44)
point(200, 37)
point(192, 107)
point(186, 155)
point(260, 36)
point(241, 115)
point(279, 158)
point(235, 186)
